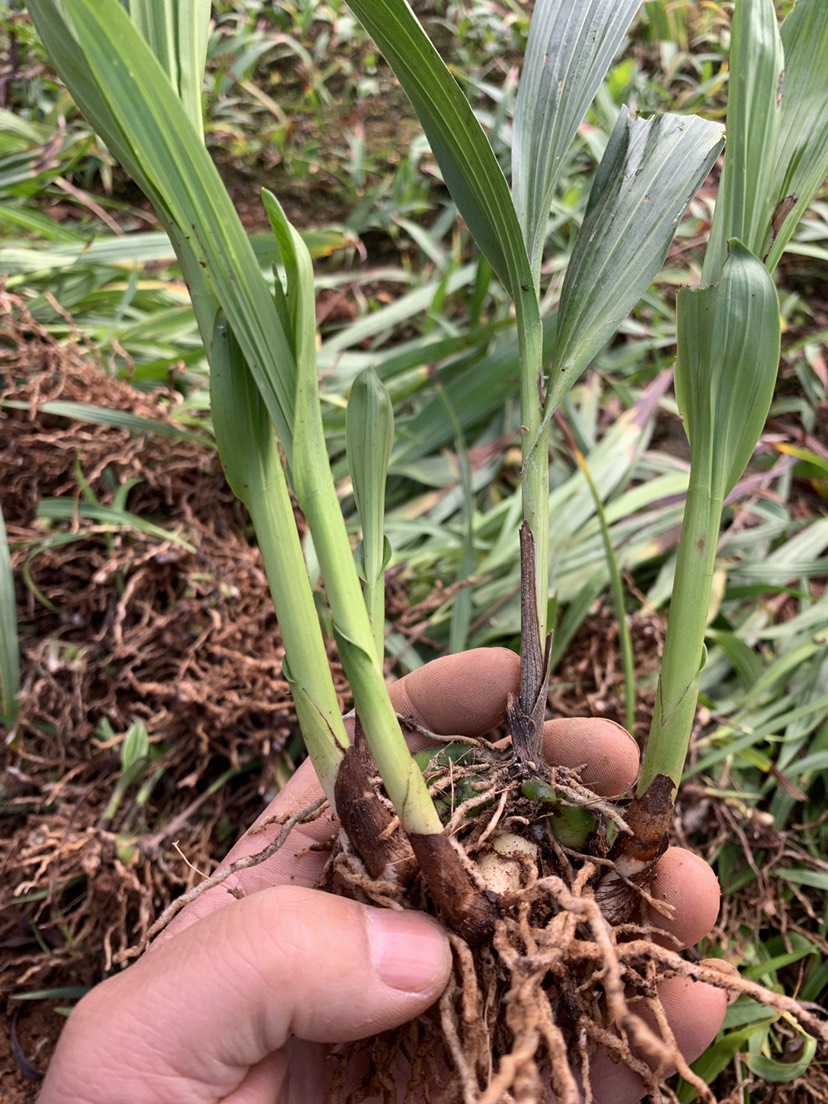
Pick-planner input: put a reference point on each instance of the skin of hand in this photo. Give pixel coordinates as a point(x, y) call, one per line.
point(240, 1000)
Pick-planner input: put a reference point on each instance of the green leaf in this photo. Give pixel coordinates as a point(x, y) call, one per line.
point(742, 658)
point(466, 159)
point(728, 356)
point(369, 436)
point(135, 750)
point(569, 51)
point(745, 202)
point(101, 415)
point(243, 429)
point(767, 969)
point(177, 34)
point(774, 1071)
point(650, 171)
point(122, 89)
point(299, 291)
point(65, 992)
point(66, 509)
point(717, 1057)
point(802, 150)
point(817, 879)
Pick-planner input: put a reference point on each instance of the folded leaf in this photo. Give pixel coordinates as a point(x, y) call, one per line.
point(802, 153)
point(649, 173)
point(745, 202)
point(177, 34)
point(728, 356)
point(570, 49)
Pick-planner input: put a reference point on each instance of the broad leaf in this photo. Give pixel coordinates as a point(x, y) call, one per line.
point(802, 154)
point(745, 201)
point(728, 356)
point(570, 49)
point(466, 159)
point(649, 173)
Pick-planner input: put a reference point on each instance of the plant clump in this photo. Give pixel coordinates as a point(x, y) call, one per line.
point(560, 975)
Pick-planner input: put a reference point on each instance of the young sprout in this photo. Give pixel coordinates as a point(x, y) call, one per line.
point(369, 437)
point(729, 330)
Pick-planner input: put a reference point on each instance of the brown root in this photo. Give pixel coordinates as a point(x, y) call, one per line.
point(369, 822)
point(288, 823)
point(523, 1016)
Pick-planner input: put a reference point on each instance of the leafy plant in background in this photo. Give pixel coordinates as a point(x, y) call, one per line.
point(136, 75)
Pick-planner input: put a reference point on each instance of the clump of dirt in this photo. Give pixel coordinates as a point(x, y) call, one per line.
point(171, 627)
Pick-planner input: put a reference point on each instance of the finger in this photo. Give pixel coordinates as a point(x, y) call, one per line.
point(608, 753)
point(210, 1005)
point(695, 1012)
point(687, 883)
point(463, 694)
point(300, 860)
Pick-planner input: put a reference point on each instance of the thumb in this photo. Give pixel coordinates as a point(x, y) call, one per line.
point(221, 996)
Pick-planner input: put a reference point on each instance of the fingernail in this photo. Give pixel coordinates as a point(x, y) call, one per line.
point(410, 951)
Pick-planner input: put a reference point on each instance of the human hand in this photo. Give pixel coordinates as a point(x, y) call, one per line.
point(239, 1001)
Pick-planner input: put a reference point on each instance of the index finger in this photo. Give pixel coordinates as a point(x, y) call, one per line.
point(460, 695)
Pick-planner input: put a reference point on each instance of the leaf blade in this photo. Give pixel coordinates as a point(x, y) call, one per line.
point(802, 150)
point(569, 50)
point(744, 204)
point(649, 173)
point(177, 34)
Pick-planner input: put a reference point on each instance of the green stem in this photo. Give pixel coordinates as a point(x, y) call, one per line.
point(250, 455)
point(534, 444)
point(678, 684)
point(307, 666)
point(403, 779)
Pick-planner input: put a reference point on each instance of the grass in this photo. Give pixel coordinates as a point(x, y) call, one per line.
point(417, 306)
